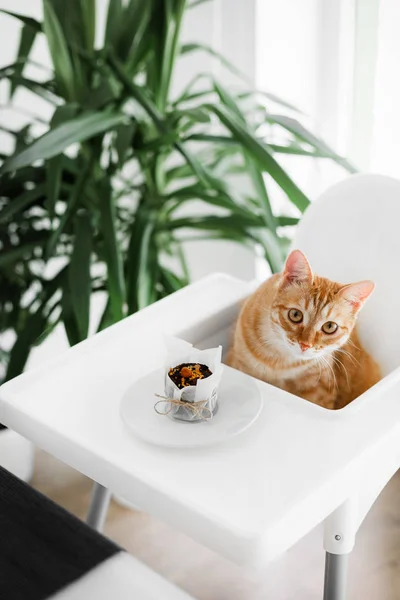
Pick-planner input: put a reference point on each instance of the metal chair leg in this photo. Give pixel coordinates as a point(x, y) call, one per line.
point(99, 502)
point(335, 585)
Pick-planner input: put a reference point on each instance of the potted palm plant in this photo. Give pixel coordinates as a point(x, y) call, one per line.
point(94, 205)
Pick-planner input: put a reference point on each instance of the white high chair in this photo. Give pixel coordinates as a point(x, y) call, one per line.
point(298, 465)
point(352, 233)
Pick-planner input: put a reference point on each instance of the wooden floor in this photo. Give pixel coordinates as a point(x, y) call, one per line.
point(298, 575)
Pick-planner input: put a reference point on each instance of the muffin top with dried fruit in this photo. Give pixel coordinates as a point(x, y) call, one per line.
point(188, 374)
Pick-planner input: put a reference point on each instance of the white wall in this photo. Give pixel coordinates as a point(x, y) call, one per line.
point(304, 54)
point(385, 119)
point(374, 127)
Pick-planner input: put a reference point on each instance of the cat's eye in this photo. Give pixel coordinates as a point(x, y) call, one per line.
point(295, 315)
point(329, 327)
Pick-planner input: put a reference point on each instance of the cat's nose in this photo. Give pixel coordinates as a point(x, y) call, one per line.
point(304, 346)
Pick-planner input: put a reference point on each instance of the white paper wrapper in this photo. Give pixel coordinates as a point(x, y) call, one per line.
point(206, 390)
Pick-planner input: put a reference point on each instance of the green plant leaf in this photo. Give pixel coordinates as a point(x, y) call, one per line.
point(22, 202)
point(252, 166)
point(61, 137)
point(170, 49)
point(192, 47)
point(261, 191)
point(228, 100)
point(140, 286)
point(269, 96)
point(304, 135)
point(64, 69)
point(203, 175)
point(49, 328)
point(299, 131)
point(220, 235)
point(77, 19)
point(114, 20)
point(297, 151)
point(79, 280)
point(189, 97)
point(132, 28)
point(49, 287)
point(53, 182)
point(54, 165)
point(115, 281)
point(12, 185)
point(287, 221)
point(159, 142)
point(123, 140)
point(261, 155)
point(196, 115)
point(75, 196)
point(35, 328)
point(63, 113)
point(147, 267)
point(233, 223)
point(9, 257)
point(182, 260)
point(187, 93)
point(33, 23)
point(68, 316)
point(210, 137)
point(28, 36)
point(26, 338)
point(139, 94)
point(196, 3)
point(215, 198)
point(182, 171)
point(10, 68)
point(88, 12)
point(106, 318)
point(41, 89)
point(272, 248)
point(169, 280)
point(104, 94)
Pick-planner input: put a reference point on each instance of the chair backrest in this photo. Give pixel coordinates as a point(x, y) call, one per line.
point(352, 232)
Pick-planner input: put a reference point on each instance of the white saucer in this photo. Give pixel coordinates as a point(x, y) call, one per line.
point(239, 405)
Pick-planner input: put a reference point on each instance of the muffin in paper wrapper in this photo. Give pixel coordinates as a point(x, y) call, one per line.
point(206, 390)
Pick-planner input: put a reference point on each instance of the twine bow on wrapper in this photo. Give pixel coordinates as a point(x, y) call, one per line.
point(198, 408)
point(193, 402)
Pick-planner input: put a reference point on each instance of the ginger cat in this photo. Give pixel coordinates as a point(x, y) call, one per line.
point(297, 332)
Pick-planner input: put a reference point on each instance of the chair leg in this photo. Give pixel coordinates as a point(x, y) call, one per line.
point(340, 530)
point(99, 502)
point(335, 584)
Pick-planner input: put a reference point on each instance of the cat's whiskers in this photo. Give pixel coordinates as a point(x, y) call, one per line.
point(350, 341)
point(336, 360)
point(353, 358)
point(331, 371)
point(317, 358)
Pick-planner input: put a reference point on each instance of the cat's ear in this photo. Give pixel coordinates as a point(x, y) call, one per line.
point(297, 269)
point(357, 293)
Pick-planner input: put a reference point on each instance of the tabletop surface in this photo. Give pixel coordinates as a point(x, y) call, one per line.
point(249, 498)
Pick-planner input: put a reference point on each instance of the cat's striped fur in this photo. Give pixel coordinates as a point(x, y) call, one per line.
point(305, 356)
